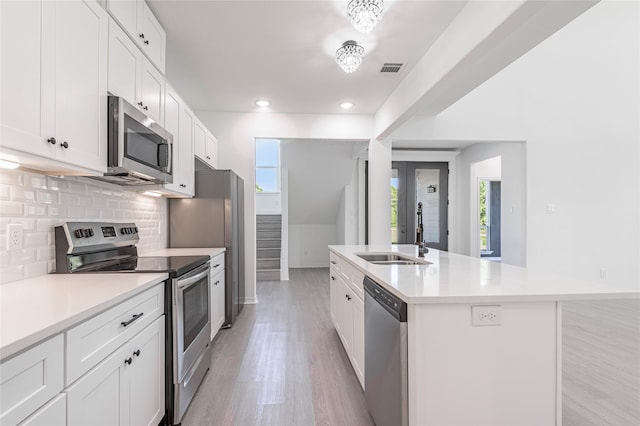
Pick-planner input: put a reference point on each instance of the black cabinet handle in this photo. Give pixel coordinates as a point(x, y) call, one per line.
point(141, 35)
point(128, 360)
point(146, 42)
point(140, 103)
point(216, 265)
point(145, 108)
point(333, 278)
point(134, 318)
point(217, 282)
point(182, 185)
point(333, 262)
point(137, 353)
point(64, 144)
point(208, 158)
point(347, 296)
point(52, 140)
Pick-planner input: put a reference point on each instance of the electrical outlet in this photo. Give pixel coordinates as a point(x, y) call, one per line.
point(14, 236)
point(485, 315)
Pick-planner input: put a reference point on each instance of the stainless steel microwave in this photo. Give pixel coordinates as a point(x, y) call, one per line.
point(139, 150)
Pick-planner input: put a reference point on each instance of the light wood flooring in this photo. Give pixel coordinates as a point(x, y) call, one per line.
point(282, 363)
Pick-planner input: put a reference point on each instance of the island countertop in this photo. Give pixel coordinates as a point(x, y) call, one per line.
point(454, 278)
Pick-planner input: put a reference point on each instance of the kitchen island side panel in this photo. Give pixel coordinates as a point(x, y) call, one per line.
point(461, 374)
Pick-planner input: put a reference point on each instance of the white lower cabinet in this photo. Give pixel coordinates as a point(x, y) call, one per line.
point(53, 413)
point(30, 379)
point(127, 388)
point(217, 294)
point(347, 312)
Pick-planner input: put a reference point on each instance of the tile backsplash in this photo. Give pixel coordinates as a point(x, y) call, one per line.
point(40, 202)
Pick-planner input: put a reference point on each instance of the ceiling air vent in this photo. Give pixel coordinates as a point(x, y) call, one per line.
point(391, 67)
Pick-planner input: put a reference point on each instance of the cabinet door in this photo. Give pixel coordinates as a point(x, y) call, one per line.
point(217, 302)
point(211, 150)
point(21, 65)
point(126, 13)
point(81, 34)
point(334, 291)
point(101, 397)
point(357, 359)
point(152, 92)
point(345, 316)
point(146, 378)
point(125, 65)
point(155, 39)
point(182, 149)
point(186, 127)
point(200, 140)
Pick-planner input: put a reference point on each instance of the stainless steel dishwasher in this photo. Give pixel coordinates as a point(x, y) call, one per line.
point(385, 366)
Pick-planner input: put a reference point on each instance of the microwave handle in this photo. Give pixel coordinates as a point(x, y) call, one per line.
point(164, 156)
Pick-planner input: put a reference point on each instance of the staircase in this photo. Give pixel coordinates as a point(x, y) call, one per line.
point(268, 244)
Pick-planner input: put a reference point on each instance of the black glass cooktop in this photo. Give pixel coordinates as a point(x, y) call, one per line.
point(174, 265)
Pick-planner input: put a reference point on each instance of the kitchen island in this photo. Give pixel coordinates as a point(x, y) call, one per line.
point(463, 369)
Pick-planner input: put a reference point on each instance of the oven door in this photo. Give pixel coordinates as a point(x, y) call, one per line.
point(192, 328)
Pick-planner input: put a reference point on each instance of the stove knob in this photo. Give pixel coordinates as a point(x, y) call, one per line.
point(135, 229)
point(90, 232)
point(78, 233)
point(123, 231)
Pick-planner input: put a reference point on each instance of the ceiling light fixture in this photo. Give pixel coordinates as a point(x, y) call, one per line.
point(263, 103)
point(346, 105)
point(349, 56)
point(365, 14)
point(152, 193)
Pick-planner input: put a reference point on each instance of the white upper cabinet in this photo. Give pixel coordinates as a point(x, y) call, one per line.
point(54, 83)
point(138, 21)
point(205, 145)
point(179, 125)
point(132, 76)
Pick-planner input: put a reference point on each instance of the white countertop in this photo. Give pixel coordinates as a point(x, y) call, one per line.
point(454, 278)
point(209, 251)
point(34, 309)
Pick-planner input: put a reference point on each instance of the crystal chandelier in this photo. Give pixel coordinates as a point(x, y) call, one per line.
point(365, 14)
point(349, 56)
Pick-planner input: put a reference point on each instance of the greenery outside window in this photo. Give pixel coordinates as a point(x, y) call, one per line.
point(267, 166)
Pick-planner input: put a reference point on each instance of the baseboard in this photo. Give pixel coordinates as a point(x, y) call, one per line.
point(250, 301)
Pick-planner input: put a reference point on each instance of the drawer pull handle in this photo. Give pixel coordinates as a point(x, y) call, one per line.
point(216, 265)
point(333, 262)
point(137, 353)
point(128, 360)
point(333, 278)
point(347, 296)
point(217, 282)
point(135, 317)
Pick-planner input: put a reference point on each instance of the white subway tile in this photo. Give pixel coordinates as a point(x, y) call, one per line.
point(84, 201)
point(28, 225)
point(11, 177)
point(23, 256)
point(57, 184)
point(35, 181)
point(76, 212)
point(4, 191)
point(107, 214)
point(47, 197)
point(5, 259)
point(18, 193)
point(46, 224)
point(12, 273)
point(68, 199)
point(35, 269)
point(11, 208)
point(35, 210)
point(51, 266)
point(92, 213)
point(58, 211)
point(99, 201)
point(113, 204)
point(35, 239)
point(4, 221)
point(45, 253)
point(77, 187)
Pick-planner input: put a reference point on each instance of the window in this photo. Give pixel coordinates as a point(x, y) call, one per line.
point(267, 166)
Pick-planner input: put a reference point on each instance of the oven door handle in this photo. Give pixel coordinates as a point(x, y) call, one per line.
point(188, 282)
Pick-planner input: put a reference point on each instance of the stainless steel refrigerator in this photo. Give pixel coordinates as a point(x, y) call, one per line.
point(215, 218)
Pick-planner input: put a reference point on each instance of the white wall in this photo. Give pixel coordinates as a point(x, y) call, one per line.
point(574, 100)
point(308, 244)
point(236, 134)
point(40, 203)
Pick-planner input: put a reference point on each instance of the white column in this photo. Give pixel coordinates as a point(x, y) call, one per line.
point(380, 191)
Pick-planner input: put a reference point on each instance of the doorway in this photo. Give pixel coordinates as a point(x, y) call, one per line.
point(414, 182)
point(490, 247)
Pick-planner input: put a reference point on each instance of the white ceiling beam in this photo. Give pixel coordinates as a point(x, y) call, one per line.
point(484, 38)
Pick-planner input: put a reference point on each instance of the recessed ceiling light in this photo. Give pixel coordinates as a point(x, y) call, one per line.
point(263, 103)
point(346, 105)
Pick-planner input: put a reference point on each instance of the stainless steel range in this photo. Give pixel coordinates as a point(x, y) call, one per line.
point(101, 247)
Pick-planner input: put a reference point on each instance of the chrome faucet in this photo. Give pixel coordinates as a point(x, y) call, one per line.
point(420, 234)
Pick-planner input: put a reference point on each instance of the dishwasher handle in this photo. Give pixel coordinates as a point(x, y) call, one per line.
point(390, 302)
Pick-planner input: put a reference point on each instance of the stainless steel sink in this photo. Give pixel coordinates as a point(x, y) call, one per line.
point(391, 259)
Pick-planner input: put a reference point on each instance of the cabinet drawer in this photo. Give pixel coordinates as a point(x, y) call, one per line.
point(334, 261)
point(31, 379)
point(356, 279)
point(217, 263)
point(52, 414)
point(94, 339)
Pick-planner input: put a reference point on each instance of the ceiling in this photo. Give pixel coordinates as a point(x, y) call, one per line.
point(223, 55)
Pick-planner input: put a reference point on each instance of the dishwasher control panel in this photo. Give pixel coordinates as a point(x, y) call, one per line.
point(392, 303)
